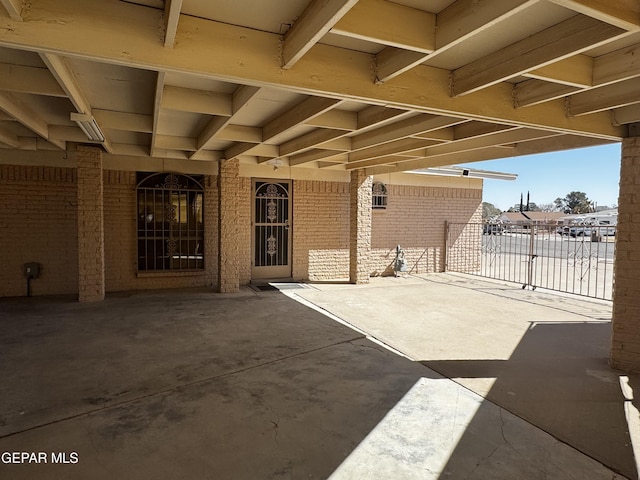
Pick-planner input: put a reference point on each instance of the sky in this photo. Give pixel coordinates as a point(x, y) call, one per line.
point(594, 171)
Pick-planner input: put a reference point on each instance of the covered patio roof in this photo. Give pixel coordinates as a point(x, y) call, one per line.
point(327, 84)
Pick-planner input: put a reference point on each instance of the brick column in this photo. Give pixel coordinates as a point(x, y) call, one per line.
point(360, 227)
point(625, 346)
point(228, 185)
point(90, 224)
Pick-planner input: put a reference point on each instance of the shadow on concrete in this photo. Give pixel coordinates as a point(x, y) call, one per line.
point(557, 379)
point(189, 385)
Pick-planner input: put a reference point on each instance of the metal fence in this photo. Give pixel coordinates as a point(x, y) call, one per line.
point(574, 259)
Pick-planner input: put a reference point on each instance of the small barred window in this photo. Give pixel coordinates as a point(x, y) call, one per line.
point(379, 196)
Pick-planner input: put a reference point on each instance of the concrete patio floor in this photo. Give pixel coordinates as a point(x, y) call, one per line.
point(193, 384)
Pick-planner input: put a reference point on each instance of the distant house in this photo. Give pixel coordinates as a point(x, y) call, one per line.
point(532, 218)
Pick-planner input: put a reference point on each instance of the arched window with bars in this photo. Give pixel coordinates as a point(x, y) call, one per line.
point(379, 196)
point(170, 222)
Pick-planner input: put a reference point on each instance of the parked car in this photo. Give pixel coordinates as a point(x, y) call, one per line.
point(580, 231)
point(492, 229)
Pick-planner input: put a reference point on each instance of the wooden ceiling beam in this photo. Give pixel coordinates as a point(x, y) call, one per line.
point(345, 73)
point(24, 79)
point(316, 20)
point(610, 68)
point(479, 129)
point(240, 99)
point(66, 79)
point(456, 23)
point(13, 8)
point(375, 115)
point(300, 113)
point(170, 142)
point(171, 17)
point(402, 129)
point(9, 138)
point(240, 133)
point(312, 156)
point(26, 116)
point(391, 148)
point(157, 103)
point(575, 71)
point(61, 71)
point(621, 13)
point(496, 139)
point(534, 92)
point(309, 141)
point(124, 121)
point(616, 66)
point(197, 101)
point(336, 120)
point(625, 115)
point(560, 142)
point(238, 149)
point(369, 20)
point(555, 43)
point(605, 98)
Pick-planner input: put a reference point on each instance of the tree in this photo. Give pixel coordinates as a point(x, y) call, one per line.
point(574, 202)
point(548, 207)
point(489, 210)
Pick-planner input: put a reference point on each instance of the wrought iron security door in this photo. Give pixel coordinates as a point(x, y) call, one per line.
point(271, 234)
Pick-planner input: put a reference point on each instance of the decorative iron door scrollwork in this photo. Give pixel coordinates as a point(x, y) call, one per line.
point(271, 224)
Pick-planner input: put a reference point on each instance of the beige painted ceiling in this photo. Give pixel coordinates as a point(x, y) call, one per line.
point(332, 84)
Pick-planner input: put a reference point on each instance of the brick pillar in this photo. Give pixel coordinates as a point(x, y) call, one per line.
point(360, 227)
point(228, 186)
point(90, 224)
point(625, 345)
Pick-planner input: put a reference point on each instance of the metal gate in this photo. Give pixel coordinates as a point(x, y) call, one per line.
point(574, 259)
point(271, 237)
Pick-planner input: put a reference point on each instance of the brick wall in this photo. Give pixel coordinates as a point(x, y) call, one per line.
point(90, 233)
point(38, 223)
point(414, 219)
point(320, 230)
point(244, 230)
point(625, 348)
point(360, 227)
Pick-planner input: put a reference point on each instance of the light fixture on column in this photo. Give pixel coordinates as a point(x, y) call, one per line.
point(89, 126)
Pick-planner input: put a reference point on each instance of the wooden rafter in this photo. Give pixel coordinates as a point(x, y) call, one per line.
point(606, 69)
point(9, 139)
point(239, 100)
point(24, 79)
point(555, 43)
point(27, 117)
point(346, 73)
point(621, 13)
point(456, 23)
point(60, 69)
point(13, 8)
point(171, 16)
point(411, 29)
point(608, 97)
point(199, 101)
point(402, 129)
point(153, 150)
point(317, 19)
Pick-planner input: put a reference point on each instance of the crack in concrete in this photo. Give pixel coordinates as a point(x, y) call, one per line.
point(168, 391)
